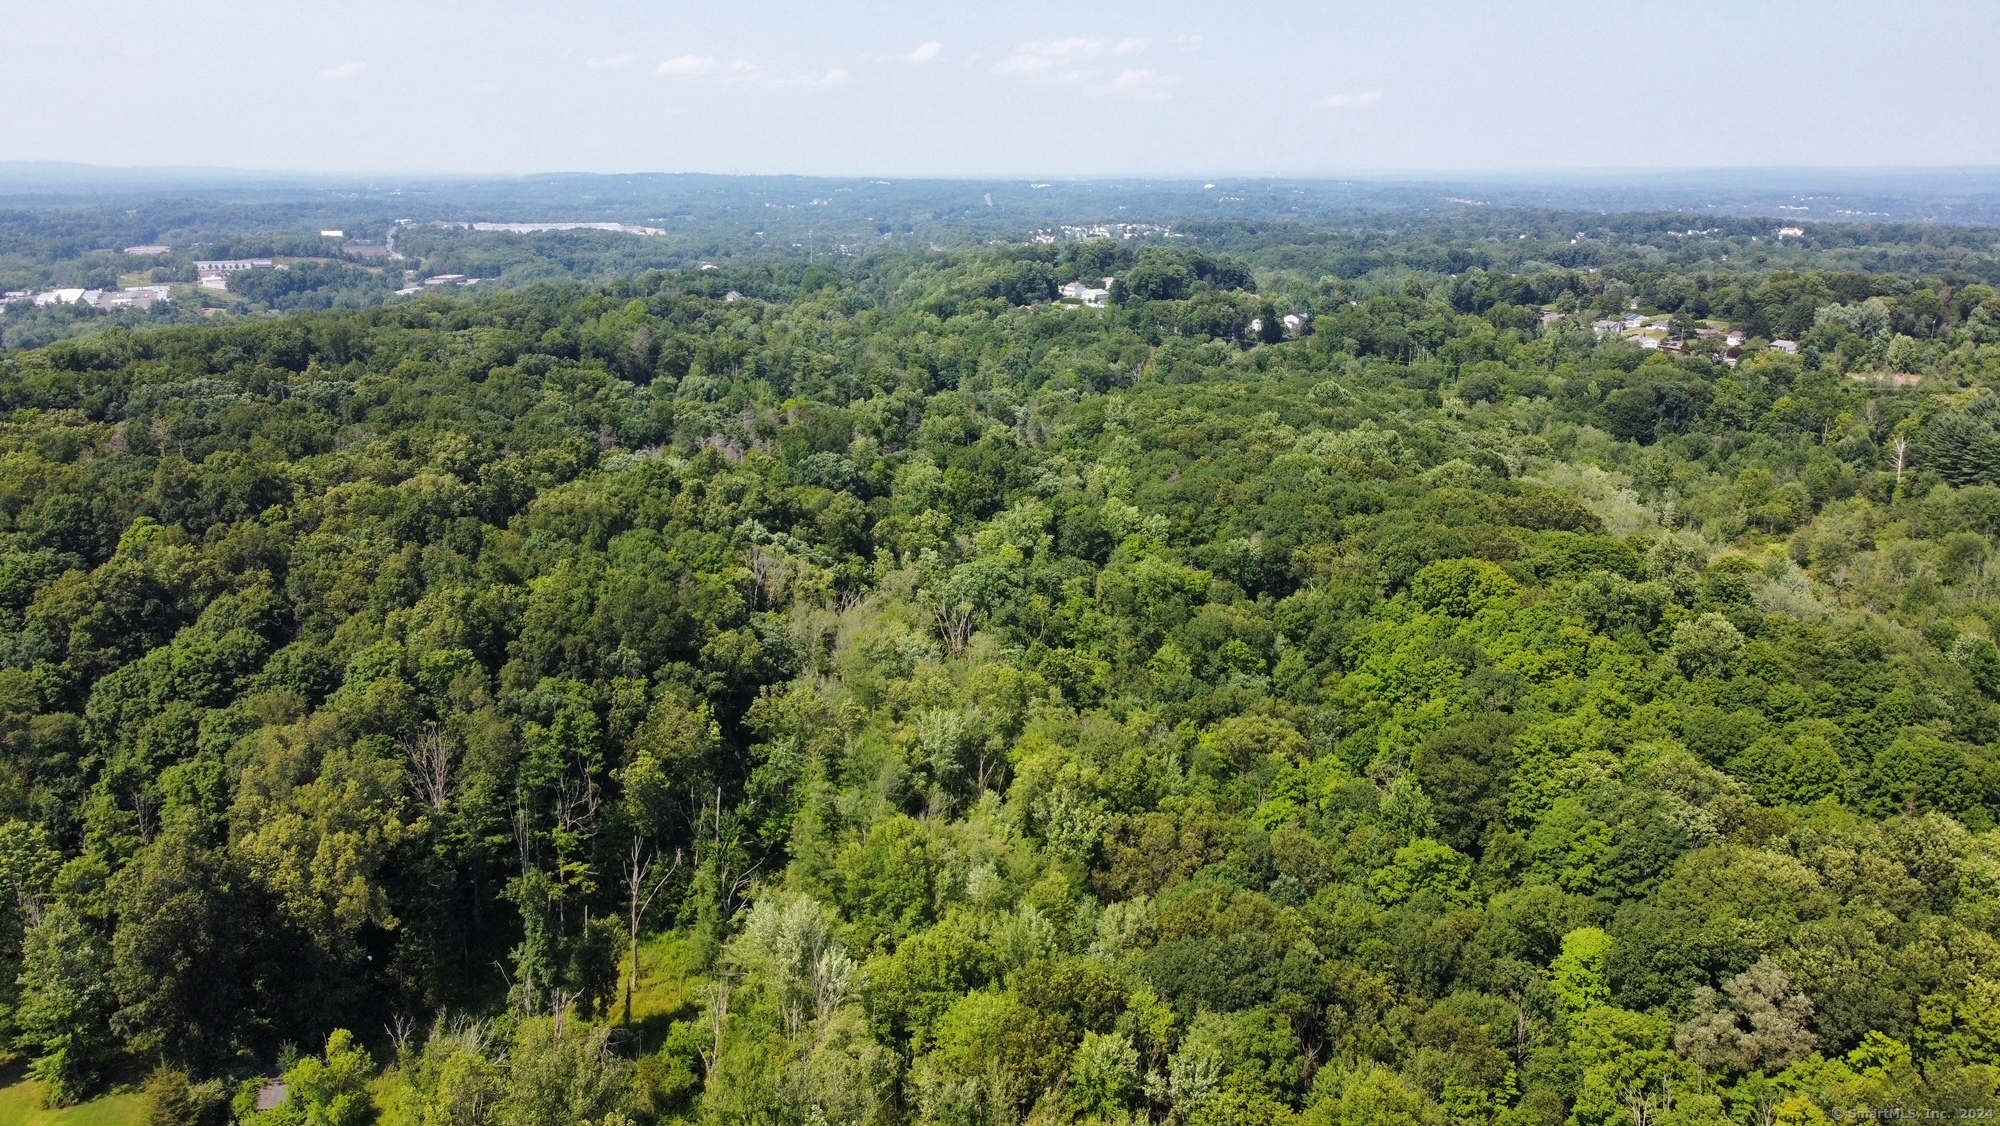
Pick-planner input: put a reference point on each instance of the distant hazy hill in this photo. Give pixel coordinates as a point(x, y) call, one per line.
point(1956, 196)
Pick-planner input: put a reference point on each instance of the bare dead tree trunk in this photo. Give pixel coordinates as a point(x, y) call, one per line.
point(718, 1015)
point(955, 627)
point(399, 1034)
point(143, 811)
point(761, 566)
point(430, 761)
point(639, 897)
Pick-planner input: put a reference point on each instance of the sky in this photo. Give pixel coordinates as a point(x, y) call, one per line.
point(1096, 88)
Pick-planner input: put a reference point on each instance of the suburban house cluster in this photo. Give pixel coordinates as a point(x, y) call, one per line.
point(210, 273)
point(1653, 333)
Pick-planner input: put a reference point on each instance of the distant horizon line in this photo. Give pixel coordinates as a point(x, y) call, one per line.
point(49, 172)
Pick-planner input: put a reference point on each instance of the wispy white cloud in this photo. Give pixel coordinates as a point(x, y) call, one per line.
point(344, 70)
point(1350, 101)
point(925, 53)
point(1144, 85)
point(1058, 60)
point(1076, 62)
point(1187, 43)
point(689, 66)
point(742, 72)
point(610, 62)
point(807, 81)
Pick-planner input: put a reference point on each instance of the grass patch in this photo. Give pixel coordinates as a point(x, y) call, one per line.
point(21, 1105)
point(668, 988)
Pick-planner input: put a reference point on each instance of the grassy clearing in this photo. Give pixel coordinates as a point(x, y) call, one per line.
point(668, 987)
point(21, 1105)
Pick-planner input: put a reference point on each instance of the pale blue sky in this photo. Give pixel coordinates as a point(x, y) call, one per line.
point(1091, 87)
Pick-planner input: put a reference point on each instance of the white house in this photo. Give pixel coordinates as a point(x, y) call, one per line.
point(1090, 295)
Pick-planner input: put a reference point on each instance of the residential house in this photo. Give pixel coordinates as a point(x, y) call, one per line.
point(1090, 295)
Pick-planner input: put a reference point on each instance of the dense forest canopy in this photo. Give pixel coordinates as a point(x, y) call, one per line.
point(879, 691)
